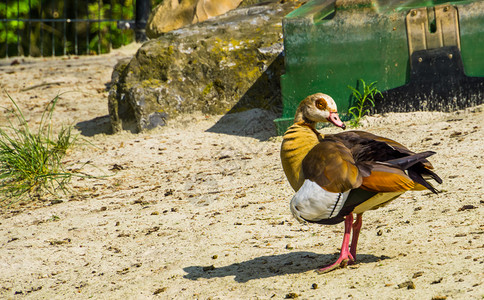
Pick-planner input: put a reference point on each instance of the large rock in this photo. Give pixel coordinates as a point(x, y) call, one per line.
point(169, 15)
point(231, 62)
point(173, 14)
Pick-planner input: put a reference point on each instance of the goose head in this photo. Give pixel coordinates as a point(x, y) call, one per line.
point(317, 108)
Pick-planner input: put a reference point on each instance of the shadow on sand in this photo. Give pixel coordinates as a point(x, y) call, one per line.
point(95, 126)
point(254, 113)
point(272, 265)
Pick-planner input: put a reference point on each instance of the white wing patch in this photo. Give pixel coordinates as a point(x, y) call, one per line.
point(313, 203)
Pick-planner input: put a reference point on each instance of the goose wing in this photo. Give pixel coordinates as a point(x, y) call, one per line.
point(333, 167)
point(366, 147)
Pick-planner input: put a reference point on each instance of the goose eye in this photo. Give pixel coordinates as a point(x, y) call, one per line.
point(321, 104)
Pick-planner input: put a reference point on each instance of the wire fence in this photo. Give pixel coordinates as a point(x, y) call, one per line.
point(75, 27)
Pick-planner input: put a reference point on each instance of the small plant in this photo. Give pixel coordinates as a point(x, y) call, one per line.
point(31, 162)
point(365, 101)
point(54, 218)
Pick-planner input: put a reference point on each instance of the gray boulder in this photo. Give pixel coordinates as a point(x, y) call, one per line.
point(232, 62)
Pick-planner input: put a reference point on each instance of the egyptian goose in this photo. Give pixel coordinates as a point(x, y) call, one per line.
point(338, 175)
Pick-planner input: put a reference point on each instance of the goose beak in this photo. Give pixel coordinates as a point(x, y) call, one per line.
point(334, 118)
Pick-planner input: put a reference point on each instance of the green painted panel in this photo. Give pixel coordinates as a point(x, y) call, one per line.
point(329, 46)
point(471, 22)
point(335, 52)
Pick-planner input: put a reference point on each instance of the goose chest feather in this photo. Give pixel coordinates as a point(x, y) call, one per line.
point(297, 142)
point(350, 172)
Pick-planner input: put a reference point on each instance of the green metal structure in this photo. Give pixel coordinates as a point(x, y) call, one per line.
point(329, 45)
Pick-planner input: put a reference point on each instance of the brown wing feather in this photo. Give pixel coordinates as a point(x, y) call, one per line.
point(393, 144)
point(331, 165)
point(385, 179)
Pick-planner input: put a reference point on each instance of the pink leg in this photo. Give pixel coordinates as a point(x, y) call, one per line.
point(345, 255)
point(356, 232)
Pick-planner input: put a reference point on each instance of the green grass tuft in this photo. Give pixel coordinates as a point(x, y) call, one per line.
point(31, 162)
point(365, 101)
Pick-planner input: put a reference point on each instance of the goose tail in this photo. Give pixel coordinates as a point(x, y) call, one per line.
point(416, 170)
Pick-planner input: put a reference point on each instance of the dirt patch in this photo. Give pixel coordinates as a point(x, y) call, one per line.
point(199, 209)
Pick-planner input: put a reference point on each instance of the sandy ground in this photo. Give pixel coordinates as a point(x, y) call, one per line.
point(199, 209)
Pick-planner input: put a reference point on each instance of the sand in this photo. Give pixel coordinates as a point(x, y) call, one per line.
point(199, 209)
